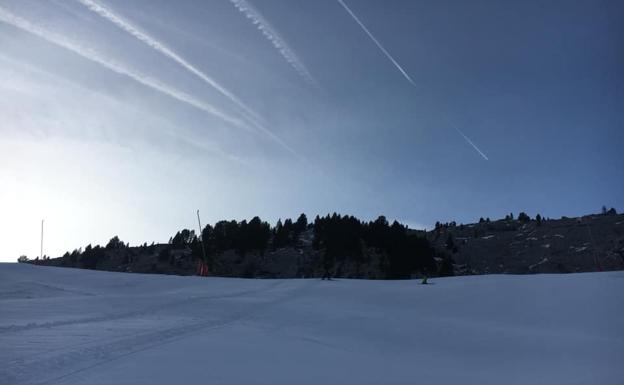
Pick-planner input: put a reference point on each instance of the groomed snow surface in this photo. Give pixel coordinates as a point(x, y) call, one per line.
point(69, 326)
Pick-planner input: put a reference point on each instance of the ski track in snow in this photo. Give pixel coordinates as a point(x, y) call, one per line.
point(148, 329)
point(108, 351)
point(86, 355)
point(116, 316)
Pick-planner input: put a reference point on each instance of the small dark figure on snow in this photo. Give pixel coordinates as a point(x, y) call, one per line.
point(425, 277)
point(328, 263)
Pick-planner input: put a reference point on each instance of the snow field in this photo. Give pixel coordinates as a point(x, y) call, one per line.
point(70, 326)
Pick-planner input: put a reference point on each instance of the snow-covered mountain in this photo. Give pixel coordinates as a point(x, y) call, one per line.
point(73, 326)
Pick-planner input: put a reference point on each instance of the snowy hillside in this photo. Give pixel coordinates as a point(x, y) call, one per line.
point(71, 326)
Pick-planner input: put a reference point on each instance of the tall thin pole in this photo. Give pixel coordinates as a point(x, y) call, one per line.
point(41, 249)
point(201, 236)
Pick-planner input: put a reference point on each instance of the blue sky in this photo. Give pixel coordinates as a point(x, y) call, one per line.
point(124, 117)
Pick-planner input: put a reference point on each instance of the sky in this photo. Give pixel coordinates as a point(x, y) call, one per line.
point(125, 117)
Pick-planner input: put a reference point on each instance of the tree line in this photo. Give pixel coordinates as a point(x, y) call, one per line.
point(340, 238)
point(403, 251)
point(335, 239)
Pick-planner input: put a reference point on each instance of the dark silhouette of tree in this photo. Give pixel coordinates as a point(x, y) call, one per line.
point(183, 238)
point(344, 244)
point(301, 224)
point(164, 255)
point(206, 238)
point(523, 217)
point(73, 257)
point(340, 236)
point(232, 235)
point(224, 235)
point(279, 236)
point(446, 267)
point(344, 238)
point(115, 243)
point(254, 235)
point(91, 256)
point(450, 244)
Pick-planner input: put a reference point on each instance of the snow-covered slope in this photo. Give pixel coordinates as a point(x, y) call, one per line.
point(67, 326)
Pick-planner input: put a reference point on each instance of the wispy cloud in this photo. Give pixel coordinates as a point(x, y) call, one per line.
point(254, 119)
point(472, 144)
point(374, 39)
point(37, 81)
point(90, 54)
point(271, 34)
point(124, 24)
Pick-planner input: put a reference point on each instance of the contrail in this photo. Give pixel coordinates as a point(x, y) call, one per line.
point(152, 42)
point(116, 67)
point(385, 52)
point(472, 144)
point(398, 66)
point(271, 34)
point(93, 56)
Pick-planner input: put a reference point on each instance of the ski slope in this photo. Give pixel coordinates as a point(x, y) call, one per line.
point(69, 326)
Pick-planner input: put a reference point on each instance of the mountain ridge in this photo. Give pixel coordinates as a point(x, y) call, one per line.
point(346, 247)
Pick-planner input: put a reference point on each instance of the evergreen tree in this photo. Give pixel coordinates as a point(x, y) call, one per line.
point(301, 224)
point(280, 237)
point(164, 255)
point(523, 217)
point(450, 244)
point(446, 267)
point(91, 256)
point(115, 243)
